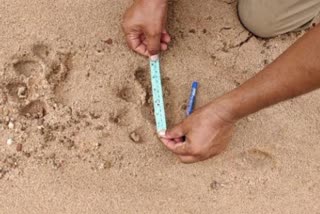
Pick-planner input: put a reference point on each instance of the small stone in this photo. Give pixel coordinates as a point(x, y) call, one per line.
point(105, 165)
point(9, 141)
point(109, 41)
point(11, 125)
point(249, 118)
point(135, 137)
point(192, 31)
point(19, 147)
point(22, 92)
point(97, 145)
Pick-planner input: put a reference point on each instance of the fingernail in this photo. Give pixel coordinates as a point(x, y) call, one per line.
point(154, 57)
point(162, 133)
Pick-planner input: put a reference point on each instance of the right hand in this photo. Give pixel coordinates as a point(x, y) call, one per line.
point(144, 27)
point(202, 135)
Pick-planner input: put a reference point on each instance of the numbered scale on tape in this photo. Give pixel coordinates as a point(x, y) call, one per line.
point(158, 103)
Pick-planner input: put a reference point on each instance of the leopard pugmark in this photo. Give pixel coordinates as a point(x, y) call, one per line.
point(27, 67)
point(17, 90)
point(42, 51)
point(258, 159)
point(35, 109)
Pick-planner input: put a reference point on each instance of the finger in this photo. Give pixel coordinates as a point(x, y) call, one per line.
point(165, 37)
point(145, 42)
point(164, 46)
point(188, 159)
point(143, 39)
point(141, 49)
point(136, 44)
point(176, 148)
point(178, 131)
point(154, 43)
point(180, 140)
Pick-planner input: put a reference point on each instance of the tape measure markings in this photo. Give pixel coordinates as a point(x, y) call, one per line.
point(158, 103)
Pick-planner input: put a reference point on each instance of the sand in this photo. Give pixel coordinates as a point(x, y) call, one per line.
point(76, 103)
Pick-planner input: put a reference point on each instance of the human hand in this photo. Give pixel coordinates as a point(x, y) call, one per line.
point(203, 134)
point(144, 27)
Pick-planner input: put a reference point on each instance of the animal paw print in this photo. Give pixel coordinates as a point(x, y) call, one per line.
point(257, 159)
point(34, 77)
point(27, 66)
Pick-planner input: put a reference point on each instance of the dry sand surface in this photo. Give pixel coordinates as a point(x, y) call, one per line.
point(76, 103)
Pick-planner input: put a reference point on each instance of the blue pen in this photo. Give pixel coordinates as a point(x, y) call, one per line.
point(192, 98)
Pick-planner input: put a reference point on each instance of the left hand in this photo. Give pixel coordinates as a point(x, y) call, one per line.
point(144, 25)
point(202, 135)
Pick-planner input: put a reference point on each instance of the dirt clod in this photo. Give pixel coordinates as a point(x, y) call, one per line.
point(109, 41)
point(19, 147)
point(135, 137)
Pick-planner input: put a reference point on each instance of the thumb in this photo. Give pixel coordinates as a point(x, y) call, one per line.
point(178, 131)
point(154, 43)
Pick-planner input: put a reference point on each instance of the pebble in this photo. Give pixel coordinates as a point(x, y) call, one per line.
point(109, 41)
point(105, 165)
point(11, 125)
point(22, 92)
point(19, 147)
point(250, 119)
point(135, 137)
point(9, 141)
point(97, 145)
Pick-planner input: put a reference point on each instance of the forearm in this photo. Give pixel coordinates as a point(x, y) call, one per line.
point(295, 72)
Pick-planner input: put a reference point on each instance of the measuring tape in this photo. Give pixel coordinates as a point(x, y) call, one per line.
point(157, 94)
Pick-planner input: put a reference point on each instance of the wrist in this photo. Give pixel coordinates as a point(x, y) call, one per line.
point(229, 107)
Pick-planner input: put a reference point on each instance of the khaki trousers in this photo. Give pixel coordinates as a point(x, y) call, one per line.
point(268, 18)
